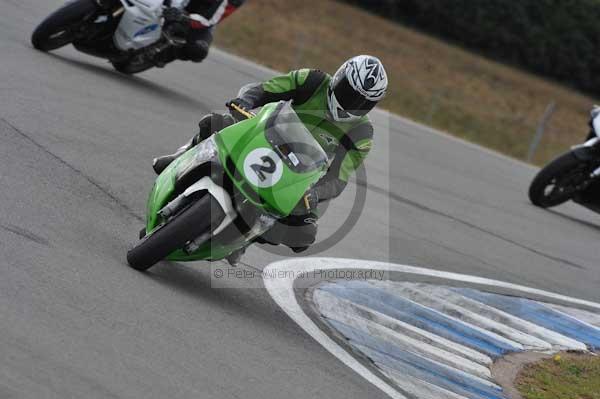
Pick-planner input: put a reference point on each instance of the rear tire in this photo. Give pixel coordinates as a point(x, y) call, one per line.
point(561, 166)
point(54, 32)
point(129, 68)
point(202, 216)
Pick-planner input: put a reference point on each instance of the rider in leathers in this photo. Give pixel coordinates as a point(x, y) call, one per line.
point(334, 109)
point(206, 15)
point(593, 122)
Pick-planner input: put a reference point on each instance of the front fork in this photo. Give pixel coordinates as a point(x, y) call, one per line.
point(108, 10)
point(589, 152)
point(232, 207)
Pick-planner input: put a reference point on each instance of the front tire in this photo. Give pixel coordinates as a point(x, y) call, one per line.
point(55, 31)
point(556, 183)
point(202, 216)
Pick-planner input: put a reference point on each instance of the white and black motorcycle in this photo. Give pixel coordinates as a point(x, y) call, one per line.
point(132, 34)
point(574, 175)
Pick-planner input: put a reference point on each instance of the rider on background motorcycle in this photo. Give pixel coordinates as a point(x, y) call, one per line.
point(594, 122)
point(334, 109)
point(207, 14)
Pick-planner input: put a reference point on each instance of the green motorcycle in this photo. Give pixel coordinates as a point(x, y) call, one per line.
point(231, 188)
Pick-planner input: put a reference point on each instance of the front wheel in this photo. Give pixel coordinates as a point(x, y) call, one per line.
point(558, 181)
point(57, 29)
point(202, 216)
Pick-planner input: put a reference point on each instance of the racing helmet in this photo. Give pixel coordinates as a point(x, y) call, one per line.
point(355, 89)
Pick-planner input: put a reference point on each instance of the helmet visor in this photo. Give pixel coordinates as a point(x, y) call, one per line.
point(350, 100)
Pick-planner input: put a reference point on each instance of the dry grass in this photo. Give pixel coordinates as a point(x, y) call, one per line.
point(431, 81)
point(571, 376)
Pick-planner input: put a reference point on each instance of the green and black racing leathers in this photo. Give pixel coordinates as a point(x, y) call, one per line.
point(347, 144)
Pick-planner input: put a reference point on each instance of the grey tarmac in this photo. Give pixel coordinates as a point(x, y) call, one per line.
point(77, 140)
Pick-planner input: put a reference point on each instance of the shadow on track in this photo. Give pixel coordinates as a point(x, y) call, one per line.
point(137, 83)
point(195, 282)
point(576, 220)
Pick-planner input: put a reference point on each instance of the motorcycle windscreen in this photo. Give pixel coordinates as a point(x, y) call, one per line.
point(276, 158)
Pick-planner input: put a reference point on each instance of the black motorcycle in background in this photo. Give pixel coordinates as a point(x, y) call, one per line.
point(574, 175)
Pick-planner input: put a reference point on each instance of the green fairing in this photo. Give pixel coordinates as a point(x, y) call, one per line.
point(235, 142)
point(163, 189)
point(238, 141)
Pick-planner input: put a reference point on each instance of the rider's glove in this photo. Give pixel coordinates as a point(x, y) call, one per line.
point(174, 14)
point(241, 103)
point(311, 200)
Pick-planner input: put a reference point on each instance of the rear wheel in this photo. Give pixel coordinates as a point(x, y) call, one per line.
point(202, 216)
point(57, 30)
point(559, 181)
point(130, 67)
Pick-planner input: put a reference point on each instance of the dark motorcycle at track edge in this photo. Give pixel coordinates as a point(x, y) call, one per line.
point(574, 175)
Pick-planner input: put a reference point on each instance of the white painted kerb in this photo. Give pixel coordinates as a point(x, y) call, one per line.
point(280, 285)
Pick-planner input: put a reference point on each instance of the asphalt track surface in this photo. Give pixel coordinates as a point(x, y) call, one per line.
point(76, 141)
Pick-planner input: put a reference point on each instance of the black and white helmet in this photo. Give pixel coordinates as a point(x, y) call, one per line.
point(356, 88)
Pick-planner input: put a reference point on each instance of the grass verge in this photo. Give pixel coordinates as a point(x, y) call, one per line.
point(568, 376)
point(432, 82)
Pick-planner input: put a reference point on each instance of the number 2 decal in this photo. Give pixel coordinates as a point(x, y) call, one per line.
point(263, 168)
point(268, 166)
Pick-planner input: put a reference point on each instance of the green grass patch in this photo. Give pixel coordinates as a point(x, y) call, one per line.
point(431, 81)
point(569, 376)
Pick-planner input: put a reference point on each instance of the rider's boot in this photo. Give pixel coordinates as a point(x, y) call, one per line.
point(164, 57)
point(160, 163)
point(235, 257)
point(208, 125)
